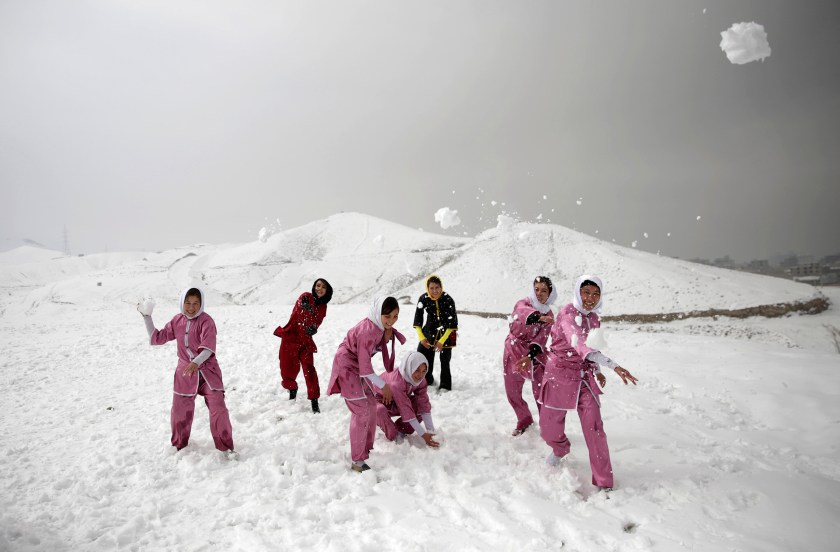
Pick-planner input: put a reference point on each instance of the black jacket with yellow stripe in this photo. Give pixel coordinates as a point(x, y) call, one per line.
point(440, 317)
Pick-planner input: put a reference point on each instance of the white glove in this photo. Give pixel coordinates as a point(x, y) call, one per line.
point(146, 306)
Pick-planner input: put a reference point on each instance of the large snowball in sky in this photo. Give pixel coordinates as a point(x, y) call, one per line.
point(447, 217)
point(745, 42)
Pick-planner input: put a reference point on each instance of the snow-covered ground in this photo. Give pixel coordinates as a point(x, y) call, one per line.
point(730, 441)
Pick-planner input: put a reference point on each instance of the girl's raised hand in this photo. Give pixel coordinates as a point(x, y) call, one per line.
point(625, 375)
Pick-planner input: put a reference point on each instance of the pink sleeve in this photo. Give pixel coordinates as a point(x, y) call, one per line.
point(518, 327)
point(207, 335)
point(167, 334)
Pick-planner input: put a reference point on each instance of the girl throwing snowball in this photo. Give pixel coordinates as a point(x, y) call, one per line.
point(197, 371)
point(569, 381)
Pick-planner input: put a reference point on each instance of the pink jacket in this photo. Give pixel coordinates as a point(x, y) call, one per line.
point(410, 401)
point(566, 369)
point(522, 335)
point(353, 358)
point(192, 336)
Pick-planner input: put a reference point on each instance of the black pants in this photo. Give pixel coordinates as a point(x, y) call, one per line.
point(445, 356)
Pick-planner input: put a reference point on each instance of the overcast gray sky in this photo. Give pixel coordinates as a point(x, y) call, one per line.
point(152, 124)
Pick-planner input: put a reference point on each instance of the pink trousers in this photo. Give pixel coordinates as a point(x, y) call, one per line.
point(514, 382)
point(388, 426)
point(553, 432)
point(183, 409)
point(362, 426)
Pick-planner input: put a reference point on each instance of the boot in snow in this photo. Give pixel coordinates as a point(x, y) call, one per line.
point(315, 408)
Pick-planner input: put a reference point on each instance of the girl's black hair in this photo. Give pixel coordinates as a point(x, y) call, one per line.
point(193, 292)
point(389, 305)
point(544, 280)
point(590, 283)
point(433, 280)
point(327, 296)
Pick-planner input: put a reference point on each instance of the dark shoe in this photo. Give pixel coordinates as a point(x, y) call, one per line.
point(315, 408)
point(520, 428)
point(359, 467)
point(292, 394)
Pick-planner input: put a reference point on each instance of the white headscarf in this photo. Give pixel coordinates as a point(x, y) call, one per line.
point(375, 314)
point(576, 293)
point(184, 298)
point(410, 361)
point(543, 308)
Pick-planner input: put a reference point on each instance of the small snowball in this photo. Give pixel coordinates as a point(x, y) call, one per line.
point(146, 306)
point(578, 320)
point(645, 234)
point(263, 234)
point(597, 339)
point(574, 340)
point(493, 203)
point(447, 217)
point(504, 221)
point(745, 42)
point(698, 217)
point(634, 243)
point(545, 197)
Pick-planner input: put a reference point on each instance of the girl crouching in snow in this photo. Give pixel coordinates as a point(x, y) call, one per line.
point(410, 401)
point(525, 350)
point(353, 375)
point(197, 372)
point(569, 381)
point(297, 346)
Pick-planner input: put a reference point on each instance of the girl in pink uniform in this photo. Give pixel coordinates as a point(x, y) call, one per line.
point(353, 376)
point(569, 381)
point(197, 372)
point(525, 351)
point(410, 401)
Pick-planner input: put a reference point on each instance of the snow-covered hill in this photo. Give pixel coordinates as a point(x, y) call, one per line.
point(728, 443)
point(362, 256)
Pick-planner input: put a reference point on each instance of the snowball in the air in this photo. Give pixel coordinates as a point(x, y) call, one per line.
point(447, 218)
point(745, 42)
point(146, 306)
point(597, 339)
point(504, 221)
point(263, 234)
point(698, 217)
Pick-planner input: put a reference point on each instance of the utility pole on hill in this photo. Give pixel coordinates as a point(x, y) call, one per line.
point(66, 242)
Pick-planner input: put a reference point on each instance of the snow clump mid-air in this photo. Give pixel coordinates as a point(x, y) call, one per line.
point(597, 339)
point(505, 221)
point(745, 42)
point(447, 218)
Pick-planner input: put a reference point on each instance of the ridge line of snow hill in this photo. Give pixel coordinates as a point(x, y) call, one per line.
point(363, 256)
point(814, 306)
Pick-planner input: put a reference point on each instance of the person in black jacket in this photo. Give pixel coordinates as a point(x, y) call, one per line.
point(439, 331)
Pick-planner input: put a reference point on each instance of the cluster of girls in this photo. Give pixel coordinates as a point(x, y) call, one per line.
point(563, 375)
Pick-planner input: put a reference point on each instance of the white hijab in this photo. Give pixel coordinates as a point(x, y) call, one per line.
point(576, 293)
point(543, 308)
point(375, 314)
point(184, 298)
point(410, 361)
